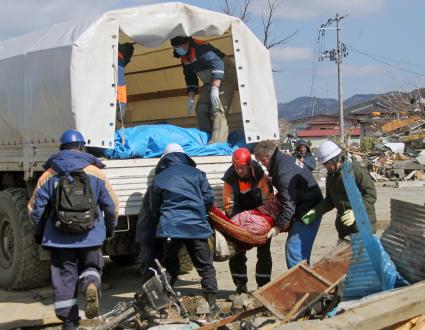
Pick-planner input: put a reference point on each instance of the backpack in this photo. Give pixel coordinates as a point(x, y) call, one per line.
point(74, 203)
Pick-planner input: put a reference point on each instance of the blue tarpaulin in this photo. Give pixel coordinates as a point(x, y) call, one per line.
point(149, 141)
point(380, 261)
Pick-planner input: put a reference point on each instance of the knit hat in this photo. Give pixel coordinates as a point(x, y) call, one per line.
point(173, 147)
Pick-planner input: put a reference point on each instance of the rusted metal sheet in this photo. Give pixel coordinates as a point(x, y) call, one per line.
point(404, 239)
point(335, 265)
point(280, 295)
point(399, 123)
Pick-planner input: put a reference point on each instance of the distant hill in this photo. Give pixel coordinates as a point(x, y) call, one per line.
point(302, 106)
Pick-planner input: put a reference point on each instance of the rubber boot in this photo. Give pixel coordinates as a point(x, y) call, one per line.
point(92, 301)
point(214, 309)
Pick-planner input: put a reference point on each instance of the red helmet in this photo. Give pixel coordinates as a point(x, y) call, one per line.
point(242, 156)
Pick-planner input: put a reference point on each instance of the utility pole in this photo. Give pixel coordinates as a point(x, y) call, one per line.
point(336, 55)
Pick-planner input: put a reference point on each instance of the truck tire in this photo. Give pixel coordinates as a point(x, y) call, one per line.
point(122, 249)
point(185, 262)
point(20, 265)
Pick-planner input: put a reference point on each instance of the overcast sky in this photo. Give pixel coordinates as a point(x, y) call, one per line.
point(385, 39)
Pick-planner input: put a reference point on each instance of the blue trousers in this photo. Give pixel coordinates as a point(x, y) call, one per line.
point(300, 242)
point(68, 267)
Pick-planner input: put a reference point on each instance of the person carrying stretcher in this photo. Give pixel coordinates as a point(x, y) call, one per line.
point(246, 187)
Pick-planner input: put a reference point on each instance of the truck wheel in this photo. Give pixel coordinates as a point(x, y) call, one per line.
point(121, 248)
point(20, 265)
point(185, 262)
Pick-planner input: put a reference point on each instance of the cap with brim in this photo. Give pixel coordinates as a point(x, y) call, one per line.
point(179, 41)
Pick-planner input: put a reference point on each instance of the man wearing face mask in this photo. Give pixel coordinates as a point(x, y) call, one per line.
point(200, 60)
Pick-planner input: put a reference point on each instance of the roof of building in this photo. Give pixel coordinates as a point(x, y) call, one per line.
point(312, 133)
point(324, 116)
point(367, 109)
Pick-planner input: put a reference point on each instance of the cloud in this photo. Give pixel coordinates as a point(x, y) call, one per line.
point(307, 9)
point(291, 54)
point(349, 70)
point(24, 16)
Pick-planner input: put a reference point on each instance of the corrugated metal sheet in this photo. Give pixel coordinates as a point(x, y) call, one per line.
point(404, 239)
point(130, 178)
point(361, 277)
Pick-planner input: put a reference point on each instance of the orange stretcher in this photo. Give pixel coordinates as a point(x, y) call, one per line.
point(244, 238)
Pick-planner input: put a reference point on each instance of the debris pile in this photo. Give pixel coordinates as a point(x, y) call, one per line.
point(392, 162)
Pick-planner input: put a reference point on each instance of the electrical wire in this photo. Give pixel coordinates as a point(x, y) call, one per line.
point(316, 51)
point(384, 60)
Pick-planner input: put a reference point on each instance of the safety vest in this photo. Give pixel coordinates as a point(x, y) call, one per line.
point(121, 86)
point(190, 57)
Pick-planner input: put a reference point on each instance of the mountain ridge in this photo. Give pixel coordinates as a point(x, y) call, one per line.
point(302, 107)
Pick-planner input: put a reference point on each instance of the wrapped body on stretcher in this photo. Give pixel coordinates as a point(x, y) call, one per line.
point(244, 230)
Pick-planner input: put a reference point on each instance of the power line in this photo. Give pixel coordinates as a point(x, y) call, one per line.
point(385, 61)
point(316, 51)
point(392, 60)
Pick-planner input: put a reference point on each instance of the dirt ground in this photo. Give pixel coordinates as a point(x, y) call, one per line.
point(120, 282)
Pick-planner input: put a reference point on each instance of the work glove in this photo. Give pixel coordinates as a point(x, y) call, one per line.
point(309, 217)
point(347, 218)
point(190, 105)
point(274, 232)
point(215, 97)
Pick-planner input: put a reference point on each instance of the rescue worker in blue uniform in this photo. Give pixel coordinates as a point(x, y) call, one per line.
point(74, 257)
point(218, 74)
point(246, 187)
point(125, 52)
point(150, 246)
point(180, 199)
point(298, 192)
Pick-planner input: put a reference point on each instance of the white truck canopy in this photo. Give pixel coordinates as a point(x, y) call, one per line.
point(64, 77)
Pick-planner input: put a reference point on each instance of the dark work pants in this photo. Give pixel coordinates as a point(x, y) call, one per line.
point(201, 257)
point(68, 265)
point(263, 269)
point(148, 254)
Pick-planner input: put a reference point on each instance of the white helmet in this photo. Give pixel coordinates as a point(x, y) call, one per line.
point(327, 150)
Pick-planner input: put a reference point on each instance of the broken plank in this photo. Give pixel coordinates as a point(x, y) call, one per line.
point(373, 312)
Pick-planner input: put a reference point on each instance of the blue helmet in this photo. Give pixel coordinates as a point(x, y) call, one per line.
point(72, 136)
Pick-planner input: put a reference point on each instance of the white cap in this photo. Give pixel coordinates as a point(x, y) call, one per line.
point(327, 150)
point(173, 147)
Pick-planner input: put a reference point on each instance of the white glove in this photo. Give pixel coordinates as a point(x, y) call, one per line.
point(274, 232)
point(190, 105)
point(347, 218)
point(215, 97)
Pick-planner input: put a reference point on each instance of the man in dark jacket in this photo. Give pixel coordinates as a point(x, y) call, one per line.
point(150, 246)
point(180, 198)
point(330, 155)
point(303, 153)
point(298, 192)
point(218, 74)
point(246, 187)
point(74, 257)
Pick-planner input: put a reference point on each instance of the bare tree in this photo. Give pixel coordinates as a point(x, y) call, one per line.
point(227, 9)
point(268, 20)
point(244, 13)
